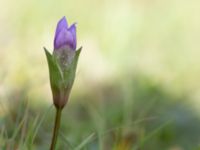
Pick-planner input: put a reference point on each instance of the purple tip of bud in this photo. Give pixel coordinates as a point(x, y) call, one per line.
point(64, 36)
point(72, 30)
point(61, 24)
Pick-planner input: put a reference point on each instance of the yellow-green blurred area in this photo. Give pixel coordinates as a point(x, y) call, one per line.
point(137, 84)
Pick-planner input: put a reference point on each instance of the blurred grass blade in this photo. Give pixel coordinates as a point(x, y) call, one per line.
point(33, 130)
point(150, 135)
point(66, 141)
point(29, 138)
point(39, 124)
point(85, 142)
point(17, 130)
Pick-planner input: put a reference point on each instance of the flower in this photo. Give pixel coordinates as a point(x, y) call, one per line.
point(64, 36)
point(63, 62)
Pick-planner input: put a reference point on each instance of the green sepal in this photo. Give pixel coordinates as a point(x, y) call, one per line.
point(55, 73)
point(61, 80)
point(70, 71)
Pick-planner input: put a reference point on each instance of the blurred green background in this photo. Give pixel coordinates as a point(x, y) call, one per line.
point(137, 84)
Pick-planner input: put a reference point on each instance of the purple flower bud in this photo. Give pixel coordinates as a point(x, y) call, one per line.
point(63, 62)
point(65, 37)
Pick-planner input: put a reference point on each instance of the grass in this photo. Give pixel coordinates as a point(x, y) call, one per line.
point(149, 119)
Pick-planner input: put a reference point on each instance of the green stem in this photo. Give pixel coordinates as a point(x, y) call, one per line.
point(56, 128)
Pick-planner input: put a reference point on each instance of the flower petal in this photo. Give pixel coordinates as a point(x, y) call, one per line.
point(64, 38)
point(60, 25)
point(72, 29)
